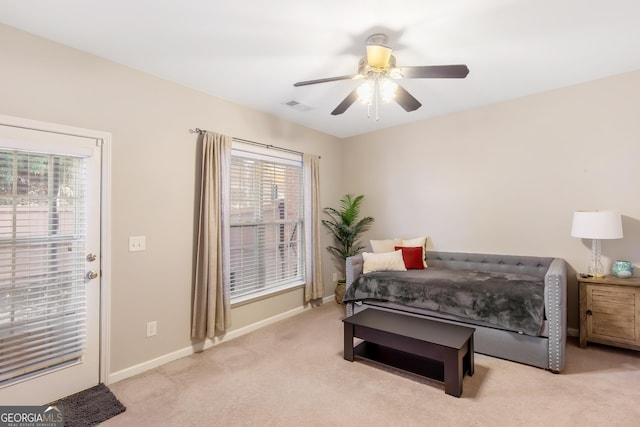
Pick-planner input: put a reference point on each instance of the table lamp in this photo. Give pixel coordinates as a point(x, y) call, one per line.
point(596, 225)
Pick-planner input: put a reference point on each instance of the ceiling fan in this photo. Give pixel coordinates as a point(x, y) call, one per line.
point(379, 72)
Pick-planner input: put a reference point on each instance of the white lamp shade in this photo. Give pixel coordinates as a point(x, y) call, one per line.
point(597, 225)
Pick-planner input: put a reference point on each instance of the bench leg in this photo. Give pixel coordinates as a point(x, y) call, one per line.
point(470, 353)
point(348, 342)
point(453, 372)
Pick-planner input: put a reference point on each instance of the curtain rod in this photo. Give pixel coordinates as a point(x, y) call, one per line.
point(246, 141)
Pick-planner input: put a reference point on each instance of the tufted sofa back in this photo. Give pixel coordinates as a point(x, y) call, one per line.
point(533, 266)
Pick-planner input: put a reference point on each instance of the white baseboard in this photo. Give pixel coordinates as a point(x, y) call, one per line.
point(208, 343)
point(572, 332)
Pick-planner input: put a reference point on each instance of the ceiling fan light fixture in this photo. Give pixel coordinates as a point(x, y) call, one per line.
point(395, 73)
point(388, 90)
point(378, 56)
point(365, 92)
point(377, 89)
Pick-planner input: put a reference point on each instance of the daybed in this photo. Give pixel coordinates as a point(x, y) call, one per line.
point(528, 326)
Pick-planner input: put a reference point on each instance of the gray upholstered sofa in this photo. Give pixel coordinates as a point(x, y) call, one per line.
point(544, 348)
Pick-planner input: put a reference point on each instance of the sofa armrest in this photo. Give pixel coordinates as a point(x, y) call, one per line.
point(556, 310)
point(353, 270)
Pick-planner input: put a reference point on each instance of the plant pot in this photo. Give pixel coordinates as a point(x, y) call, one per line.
point(341, 288)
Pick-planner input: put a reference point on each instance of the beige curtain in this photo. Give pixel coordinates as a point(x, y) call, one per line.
point(211, 301)
point(314, 287)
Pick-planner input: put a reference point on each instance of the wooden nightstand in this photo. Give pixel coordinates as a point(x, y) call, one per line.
point(610, 311)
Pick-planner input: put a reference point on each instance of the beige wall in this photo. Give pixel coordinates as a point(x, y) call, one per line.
point(153, 177)
point(507, 178)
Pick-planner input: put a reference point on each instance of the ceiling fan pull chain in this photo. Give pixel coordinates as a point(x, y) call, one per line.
point(376, 95)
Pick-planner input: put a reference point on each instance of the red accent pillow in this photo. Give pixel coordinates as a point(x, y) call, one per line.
point(412, 257)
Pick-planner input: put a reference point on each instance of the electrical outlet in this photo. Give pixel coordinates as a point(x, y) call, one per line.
point(335, 277)
point(137, 243)
point(152, 328)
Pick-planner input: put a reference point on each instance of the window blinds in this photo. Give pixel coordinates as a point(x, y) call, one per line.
point(42, 232)
point(266, 222)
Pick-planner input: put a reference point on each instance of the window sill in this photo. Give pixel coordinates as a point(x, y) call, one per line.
point(267, 293)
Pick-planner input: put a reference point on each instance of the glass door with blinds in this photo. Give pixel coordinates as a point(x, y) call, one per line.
point(49, 265)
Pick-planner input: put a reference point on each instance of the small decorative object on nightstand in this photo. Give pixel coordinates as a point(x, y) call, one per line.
point(610, 311)
point(622, 269)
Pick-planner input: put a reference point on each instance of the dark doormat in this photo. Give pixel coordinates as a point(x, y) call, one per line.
point(89, 407)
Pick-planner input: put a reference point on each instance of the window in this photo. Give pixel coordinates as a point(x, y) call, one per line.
point(266, 212)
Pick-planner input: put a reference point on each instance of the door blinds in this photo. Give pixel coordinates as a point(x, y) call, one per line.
point(266, 222)
point(42, 234)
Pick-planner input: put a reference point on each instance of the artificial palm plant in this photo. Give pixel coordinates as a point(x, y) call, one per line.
point(346, 228)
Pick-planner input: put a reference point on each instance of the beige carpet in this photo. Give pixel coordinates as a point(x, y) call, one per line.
point(292, 374)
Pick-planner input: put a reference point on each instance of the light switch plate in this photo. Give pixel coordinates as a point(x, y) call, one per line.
point(152, 328)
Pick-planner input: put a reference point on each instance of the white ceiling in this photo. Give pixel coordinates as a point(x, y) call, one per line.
point(252, 51)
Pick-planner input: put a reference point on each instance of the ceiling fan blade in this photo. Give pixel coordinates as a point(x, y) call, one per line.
point(328, 79)
point(346, 103)
point(406, 100)
point(435, 72)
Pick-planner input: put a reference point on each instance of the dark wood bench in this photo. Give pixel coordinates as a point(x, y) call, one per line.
point(441, 351)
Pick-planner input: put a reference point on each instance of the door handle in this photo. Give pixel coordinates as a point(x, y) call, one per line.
point(91, 275)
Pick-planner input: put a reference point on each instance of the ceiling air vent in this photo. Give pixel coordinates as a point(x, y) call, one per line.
point(298, 106)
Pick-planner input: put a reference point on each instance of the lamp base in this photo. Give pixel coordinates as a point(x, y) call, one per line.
point(595, 269)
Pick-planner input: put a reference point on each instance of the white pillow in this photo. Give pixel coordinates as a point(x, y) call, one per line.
point(418, 241)
point(386, 261)
point(380, 246)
